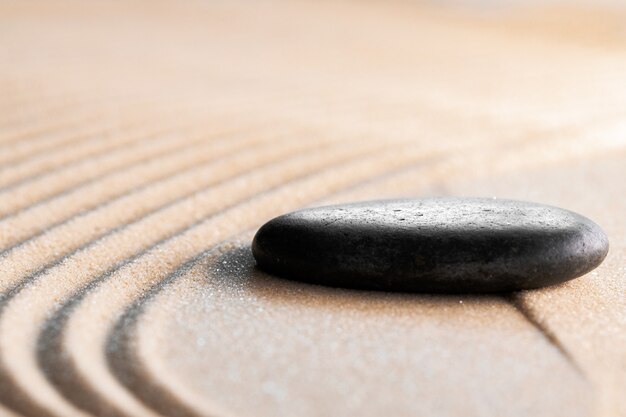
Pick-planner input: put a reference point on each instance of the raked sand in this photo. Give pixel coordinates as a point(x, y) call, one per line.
point(143, 143)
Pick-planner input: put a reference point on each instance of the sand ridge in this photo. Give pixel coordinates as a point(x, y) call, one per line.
point(143, 143)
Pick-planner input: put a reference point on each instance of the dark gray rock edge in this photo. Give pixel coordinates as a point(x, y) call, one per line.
point(448, 245)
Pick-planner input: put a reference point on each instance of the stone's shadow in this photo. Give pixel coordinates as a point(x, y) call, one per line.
point(237, 265)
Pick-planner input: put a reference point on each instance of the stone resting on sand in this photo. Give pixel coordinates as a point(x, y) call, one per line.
point(436, 244)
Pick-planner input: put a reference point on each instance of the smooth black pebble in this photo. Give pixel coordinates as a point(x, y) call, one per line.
point(431, 245)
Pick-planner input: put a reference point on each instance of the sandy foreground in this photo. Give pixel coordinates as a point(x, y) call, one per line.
point(143, 143)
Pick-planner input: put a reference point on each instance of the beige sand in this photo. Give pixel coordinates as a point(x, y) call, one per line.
point(135, 139)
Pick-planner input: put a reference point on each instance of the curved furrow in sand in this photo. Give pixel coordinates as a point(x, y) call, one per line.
point(113, 251)
point(359, 68)
point(148, 386)
point(105, 394)
point(44, 143)
point(26, 261)
point(121, 344)
point(87, 157)
point(50, 132)
point(57, 107)
point(62, 111)
point(40, 129)
point(320, 352)
point(75, 390)
point(45, 134)
point(129, 149)
point(197, 149)
point(87, 143)
point(144, 378)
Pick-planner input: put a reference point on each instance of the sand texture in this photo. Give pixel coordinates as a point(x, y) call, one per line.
point(143, 143)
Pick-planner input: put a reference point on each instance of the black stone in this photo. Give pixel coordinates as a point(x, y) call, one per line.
point(431, 245)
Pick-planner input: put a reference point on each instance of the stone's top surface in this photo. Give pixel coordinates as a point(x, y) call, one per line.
point(436, 244)
point(440, 214)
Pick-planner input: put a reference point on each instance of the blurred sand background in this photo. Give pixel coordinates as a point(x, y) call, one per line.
point(143, 142)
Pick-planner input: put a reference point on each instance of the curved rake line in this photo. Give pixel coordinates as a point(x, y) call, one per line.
point(309, 171)
point(49, 141)
point(82, 97)
point(33, 133)
point(131, 372)
point(13, 396)
point(7, 294)
point(272, 168)
point(97, 182)
point(130, 139)
point(122, 359)
point(170, 129)
point(43, 197)
point(79, 100)
point(77, 123)
point(82, 395)
point(16, 172)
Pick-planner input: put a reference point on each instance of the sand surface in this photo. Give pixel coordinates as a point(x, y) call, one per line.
point(143, 143)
